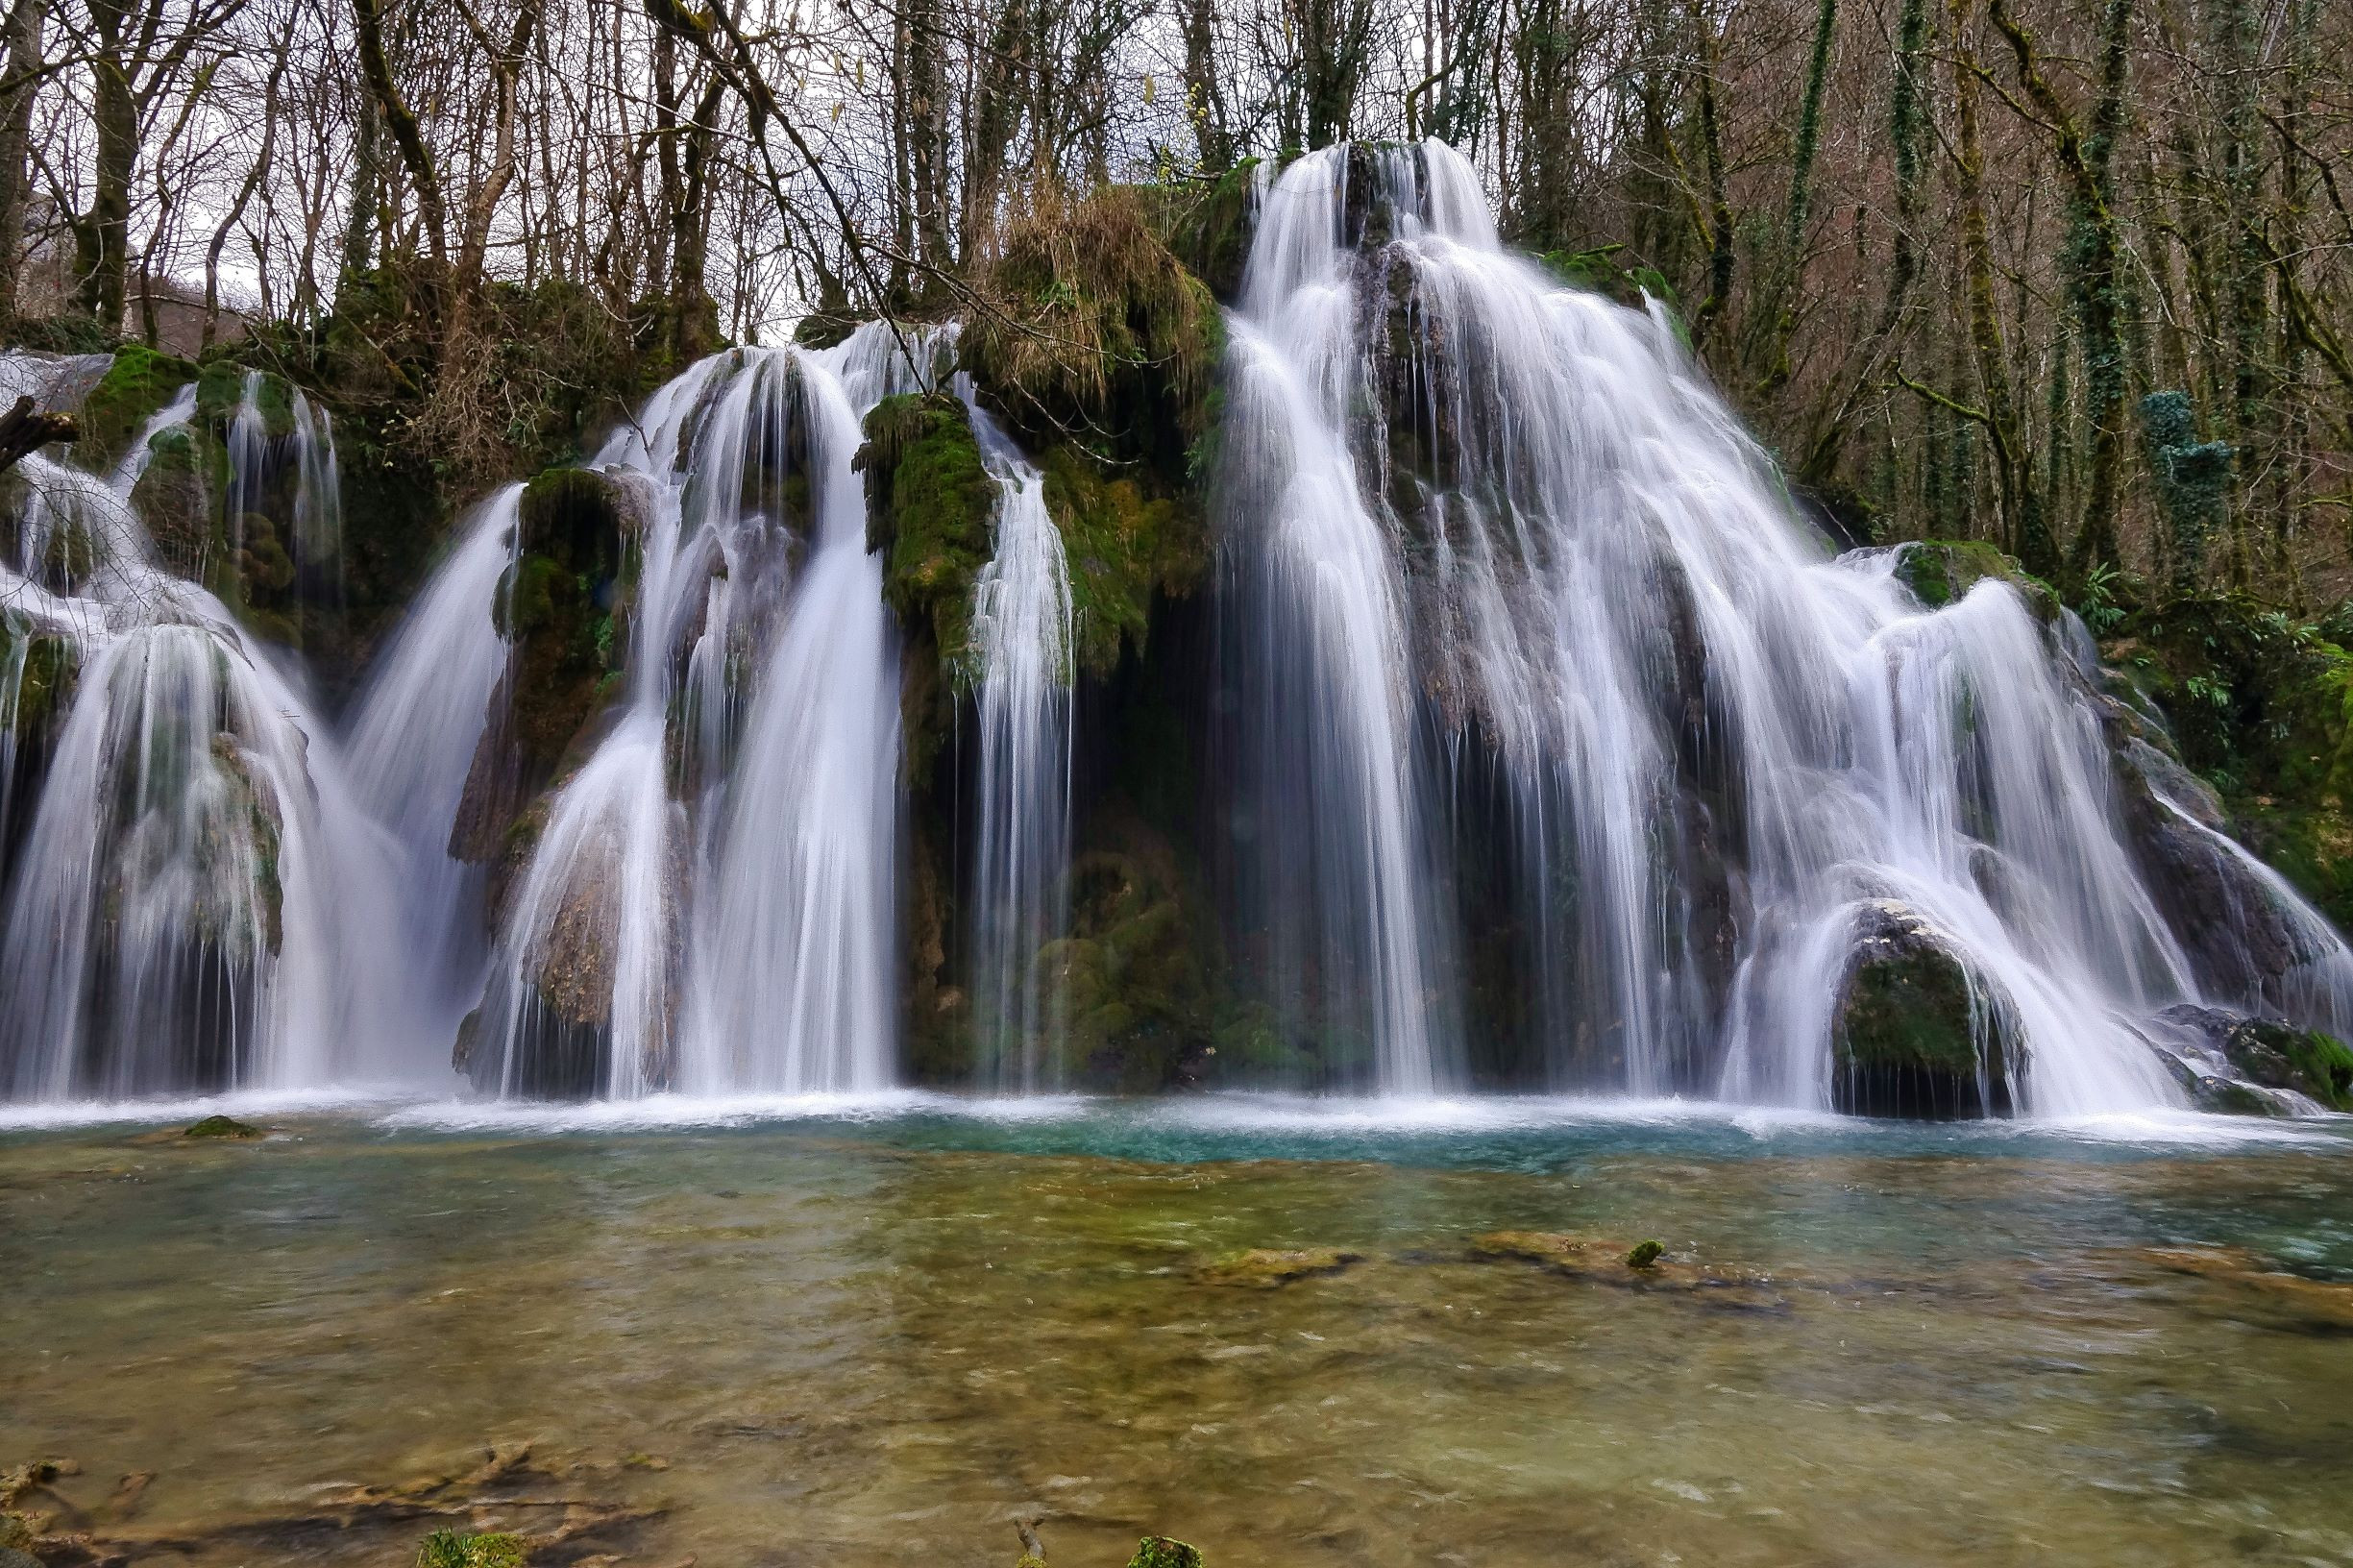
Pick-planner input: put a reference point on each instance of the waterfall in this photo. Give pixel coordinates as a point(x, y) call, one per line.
point(200, 900)
point(413, 736)
point(1511, 586)
point(710, 906)
point(1336, 785)
point(1021, 647)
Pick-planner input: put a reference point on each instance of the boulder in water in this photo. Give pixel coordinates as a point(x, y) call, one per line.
point(1160, 1552)
point(2269, 1054)
point(212, 1127)
point(1912, 1033)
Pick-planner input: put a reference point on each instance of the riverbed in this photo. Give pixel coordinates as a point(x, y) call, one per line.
point(1289, 1332)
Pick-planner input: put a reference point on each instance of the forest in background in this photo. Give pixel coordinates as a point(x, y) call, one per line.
point(2069, 277)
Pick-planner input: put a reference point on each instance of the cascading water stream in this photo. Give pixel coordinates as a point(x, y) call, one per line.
point(414, 734)
point(1022, 642)
point(1467, 501)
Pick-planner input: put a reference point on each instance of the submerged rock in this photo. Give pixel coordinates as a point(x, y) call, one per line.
point(1603, 1261)
point(1264, 1269)
point(1914, 1034)
point(2321, 1304)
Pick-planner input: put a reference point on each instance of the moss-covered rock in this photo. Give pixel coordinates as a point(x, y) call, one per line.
point(1097, 333)
point(227, 1127)
point(1130, 979)
point(47, 669)
point(1603, 270)
point(1160, 1552)
point(1942, 571)
point(563, 607)
point(2273, 1055)
point(1124, 544)
point(2261, 708)
point(138, 384)
point(1912, 1035)
point(930, 506)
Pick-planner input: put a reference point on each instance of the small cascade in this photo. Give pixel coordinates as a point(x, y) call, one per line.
point(1021, 649)
point(283, 507)
point(412, 739)
point(1537, 661)
point(710, 904)
point(200, 900)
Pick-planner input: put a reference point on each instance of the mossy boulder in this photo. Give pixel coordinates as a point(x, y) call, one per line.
point(1941, 571)
point(2272, 1054)
point(1130, 979)
point(930, 508)
point(1603, 270)
point(44, 681)
point(138, 384)
point(1912, 1035)
point(1160, 1552)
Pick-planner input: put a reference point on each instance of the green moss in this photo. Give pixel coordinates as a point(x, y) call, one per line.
point(1122, 546)
point(2280, 1056)
point(140, 382)
point(1130, 979)
point(1908, 1012)
point(1942, 571)
point(45, 686)
point(930, 506)
point(1160, 1552)
point(2262, 706)
point(1645, 1254)
point(453, 1549)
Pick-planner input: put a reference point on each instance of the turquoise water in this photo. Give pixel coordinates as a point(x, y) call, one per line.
point(879, 1333)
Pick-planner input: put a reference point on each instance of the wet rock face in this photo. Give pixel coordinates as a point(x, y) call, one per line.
point(1908, 1037)
point(563, 609)
point(2268, 1054)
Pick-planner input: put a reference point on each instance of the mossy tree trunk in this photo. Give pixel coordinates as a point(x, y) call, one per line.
point(2094, 255)
point(21, 63)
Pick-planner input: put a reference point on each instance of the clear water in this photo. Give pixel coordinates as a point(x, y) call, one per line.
point(874, 1332)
